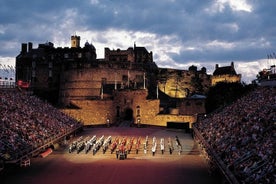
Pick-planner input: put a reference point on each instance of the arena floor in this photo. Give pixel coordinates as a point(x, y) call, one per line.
point(64, 167)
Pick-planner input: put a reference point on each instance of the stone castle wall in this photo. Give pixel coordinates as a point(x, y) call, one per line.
point(96, 112)
point(225, 78)
point(87, 83)
point(163, 119)
point(97, 115)
point(119, 55)
point(192, 106)
point(93, 112)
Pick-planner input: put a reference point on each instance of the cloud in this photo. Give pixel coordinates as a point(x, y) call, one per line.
point(218, 6)
point(178, 32)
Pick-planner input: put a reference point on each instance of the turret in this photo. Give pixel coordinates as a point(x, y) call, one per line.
point(75, 41)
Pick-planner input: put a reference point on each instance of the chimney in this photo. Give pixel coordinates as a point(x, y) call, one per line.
point(24, 48)
point(232, 64)
point(217, 66)
point(30, 46)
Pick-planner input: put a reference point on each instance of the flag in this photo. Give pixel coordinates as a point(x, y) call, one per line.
point(23, 84)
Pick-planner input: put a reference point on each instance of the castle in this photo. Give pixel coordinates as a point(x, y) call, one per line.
point(124, 85)
point(225, 74)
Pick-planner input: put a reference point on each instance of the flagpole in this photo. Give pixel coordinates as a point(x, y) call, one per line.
point(115, 87)
point(102, 92)
point(144, 81)
point(157, 91)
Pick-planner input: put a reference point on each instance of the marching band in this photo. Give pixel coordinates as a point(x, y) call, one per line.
point(123, 146)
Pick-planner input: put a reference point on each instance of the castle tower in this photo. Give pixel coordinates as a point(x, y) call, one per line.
point(75, 41)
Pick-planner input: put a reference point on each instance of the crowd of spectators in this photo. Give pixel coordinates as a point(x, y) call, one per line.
point(242, 135)
point(27, 123)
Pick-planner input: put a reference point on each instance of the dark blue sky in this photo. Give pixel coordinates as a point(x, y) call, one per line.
point(178, 32)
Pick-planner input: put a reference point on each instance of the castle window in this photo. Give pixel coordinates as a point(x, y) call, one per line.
point(124, 78)
point(199, 103)
point(103, 81)
point(139, 78)
point(34, 79)
point(138, 110)
point(118, 111)
point(33, 73)
point(50, 73)
point(33, 64)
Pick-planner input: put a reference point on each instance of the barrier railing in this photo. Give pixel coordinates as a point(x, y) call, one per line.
point(225, 171)
point(29, 152)
point(7, 84)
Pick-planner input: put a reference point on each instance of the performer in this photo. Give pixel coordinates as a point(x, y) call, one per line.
point(162, 145)
point(145, 149)
point(154, 145)
point(178, 145)
point(170, 145)
point(138, 144)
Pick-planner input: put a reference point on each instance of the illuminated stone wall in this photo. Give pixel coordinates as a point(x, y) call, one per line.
point(96, 112)
point(181, 83)
point(225, 78)
point(93, 112)
point(162, 119)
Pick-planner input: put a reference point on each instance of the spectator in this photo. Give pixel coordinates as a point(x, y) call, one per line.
point(243, 135)
point(27, 123)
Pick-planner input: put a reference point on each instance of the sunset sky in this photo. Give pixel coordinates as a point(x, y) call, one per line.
point(180, 33)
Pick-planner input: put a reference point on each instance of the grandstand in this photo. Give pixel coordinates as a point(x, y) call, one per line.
point(239, 139)
point(30, 126)
point(7, 76)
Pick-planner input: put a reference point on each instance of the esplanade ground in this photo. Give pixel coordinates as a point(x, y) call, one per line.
point(63, 167)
